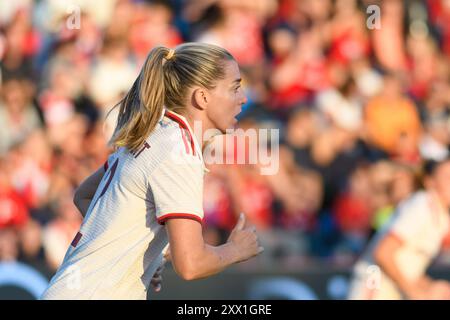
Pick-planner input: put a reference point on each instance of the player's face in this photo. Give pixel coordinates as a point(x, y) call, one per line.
point(441, 181)
point(226, 99)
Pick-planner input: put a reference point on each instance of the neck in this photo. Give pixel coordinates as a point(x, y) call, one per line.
point(199, 123)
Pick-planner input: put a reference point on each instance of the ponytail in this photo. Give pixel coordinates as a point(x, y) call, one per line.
point(143, 105)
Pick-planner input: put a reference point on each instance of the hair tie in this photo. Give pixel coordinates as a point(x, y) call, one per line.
point(170, 54)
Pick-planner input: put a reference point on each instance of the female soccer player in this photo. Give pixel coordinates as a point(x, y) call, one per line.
point(148, 195)
point(395, 264)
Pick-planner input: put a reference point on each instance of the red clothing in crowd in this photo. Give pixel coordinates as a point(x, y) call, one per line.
point(256, 203)
point(439, 12)
point(13, 211)
point(312, 76)
point(352, 214)
point(348, 46)
point(217, 204)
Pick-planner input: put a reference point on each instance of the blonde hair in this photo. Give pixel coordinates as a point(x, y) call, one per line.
point(164, 81)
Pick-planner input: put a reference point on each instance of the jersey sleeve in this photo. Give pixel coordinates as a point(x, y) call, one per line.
point(177, 189)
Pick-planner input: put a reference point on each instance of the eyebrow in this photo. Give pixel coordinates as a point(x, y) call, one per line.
point(237, 81)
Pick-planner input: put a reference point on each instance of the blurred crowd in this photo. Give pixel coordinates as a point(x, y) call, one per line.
point(359, 107)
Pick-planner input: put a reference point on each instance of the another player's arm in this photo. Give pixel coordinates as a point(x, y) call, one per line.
point(193, 259)
point(86, 191)
point(384, 256)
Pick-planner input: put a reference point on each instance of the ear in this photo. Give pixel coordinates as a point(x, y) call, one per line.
point(200, 98)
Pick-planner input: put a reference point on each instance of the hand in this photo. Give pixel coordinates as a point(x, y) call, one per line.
point(157, 277)
point(244, 240)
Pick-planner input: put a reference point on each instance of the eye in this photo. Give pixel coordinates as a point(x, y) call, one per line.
point(237, 88)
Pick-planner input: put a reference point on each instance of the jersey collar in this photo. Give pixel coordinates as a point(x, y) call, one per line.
point(184, 123)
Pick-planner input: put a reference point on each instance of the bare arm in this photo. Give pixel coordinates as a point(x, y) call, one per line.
point(193, 259)
point(86, 191)
point(384, 256)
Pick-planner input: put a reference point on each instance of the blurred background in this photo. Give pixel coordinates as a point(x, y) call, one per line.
point(360, 104)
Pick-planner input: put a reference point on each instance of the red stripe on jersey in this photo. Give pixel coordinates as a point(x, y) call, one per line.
point(162, 220)
point(182, 124)
point(184, 139)
point(76, 239)
point(105, 166)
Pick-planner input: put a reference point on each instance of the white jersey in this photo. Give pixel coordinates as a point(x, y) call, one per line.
point(421, 223)
point(121, 241)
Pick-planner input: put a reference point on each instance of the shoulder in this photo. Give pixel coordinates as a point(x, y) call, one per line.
point(173, 137)
point(417, 205)
point(418, 199)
